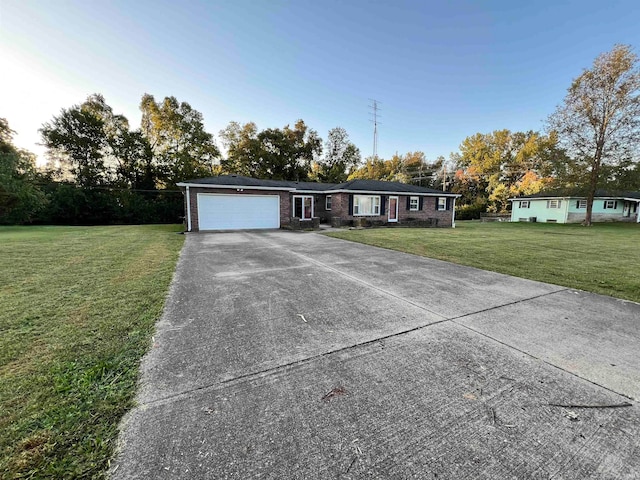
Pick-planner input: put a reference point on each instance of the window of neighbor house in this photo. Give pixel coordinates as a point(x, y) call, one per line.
point(612, 204)
point(582, 203)
point(366, 205)
point(524, 204)
point(414, 204)
point(303, 207)
point(442, 203)
point(554, 203)
point(327, 203)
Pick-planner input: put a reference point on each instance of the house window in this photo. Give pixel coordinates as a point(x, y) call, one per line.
point(442, 203)
point(366, 205)
point(554, 203)
point(414, 204)
point(327, 202)
point(612, 204)
point(524, 204)
point(303, 207)
point(582, 204)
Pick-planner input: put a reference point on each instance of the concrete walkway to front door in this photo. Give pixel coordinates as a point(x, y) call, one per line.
point(294, 355)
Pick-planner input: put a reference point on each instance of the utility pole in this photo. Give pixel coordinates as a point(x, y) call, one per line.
point(374, 113)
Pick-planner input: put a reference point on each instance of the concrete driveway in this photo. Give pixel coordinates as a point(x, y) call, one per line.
point(294, 355)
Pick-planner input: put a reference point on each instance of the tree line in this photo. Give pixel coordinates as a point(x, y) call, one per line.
point(100, 170)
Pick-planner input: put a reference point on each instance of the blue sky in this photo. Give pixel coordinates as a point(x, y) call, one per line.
point(441, 70)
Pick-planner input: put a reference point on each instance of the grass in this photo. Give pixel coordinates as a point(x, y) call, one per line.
point(604, 258)
point(77, 309)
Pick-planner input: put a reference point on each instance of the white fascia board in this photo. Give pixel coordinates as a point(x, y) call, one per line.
point(577, 197)
point(235, 187)
point(530, 199)
point(408, 194)
point(295, 190)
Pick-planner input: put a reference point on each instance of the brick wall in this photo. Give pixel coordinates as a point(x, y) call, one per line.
point(340, 208)
point(320, 207)
point(285, 204)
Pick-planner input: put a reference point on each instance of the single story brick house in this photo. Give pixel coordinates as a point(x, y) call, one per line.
point(231, 202)
point(572, 209)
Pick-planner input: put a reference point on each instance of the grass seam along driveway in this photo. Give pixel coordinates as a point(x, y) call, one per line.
point(604, 258)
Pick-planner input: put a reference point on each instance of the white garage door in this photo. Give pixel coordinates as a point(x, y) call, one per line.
point(234, 212)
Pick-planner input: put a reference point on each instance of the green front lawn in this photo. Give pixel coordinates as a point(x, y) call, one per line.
point(604, 258)
point(77, 309)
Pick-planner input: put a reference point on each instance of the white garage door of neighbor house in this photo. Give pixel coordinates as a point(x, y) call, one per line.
point(235, 212)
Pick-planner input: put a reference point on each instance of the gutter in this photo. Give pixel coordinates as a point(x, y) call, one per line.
point(234, 187)
point(296, 190)
point(385, 192)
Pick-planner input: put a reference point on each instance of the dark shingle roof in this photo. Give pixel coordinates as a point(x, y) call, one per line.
point(352, 185)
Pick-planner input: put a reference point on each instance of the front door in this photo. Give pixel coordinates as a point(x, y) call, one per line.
point(393, 209)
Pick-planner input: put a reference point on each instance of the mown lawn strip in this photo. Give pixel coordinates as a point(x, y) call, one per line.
point(77, 309)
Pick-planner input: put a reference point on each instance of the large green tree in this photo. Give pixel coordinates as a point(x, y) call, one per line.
point(77, 138)
point(97, 148)
point(420, 171)
point(180, 145)
point(412, 167)
point(503, 163)
point(20, 197)
point(340, 158)
point(127, 154)
point(598, 122)
point(279, 154)
point(376, 168)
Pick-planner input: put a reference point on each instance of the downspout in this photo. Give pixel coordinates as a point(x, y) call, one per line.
point(188, 210)
point(453, 213)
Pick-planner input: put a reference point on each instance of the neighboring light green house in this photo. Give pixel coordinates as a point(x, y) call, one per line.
point(572, 209)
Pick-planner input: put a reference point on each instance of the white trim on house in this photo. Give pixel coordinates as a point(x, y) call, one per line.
point(515, 199)
point(302, 197)
point(188, 210)
point(320, 192)
point(577, 197)
point(385, 192)
point(375, 202)
point(389, 219)
point(238, 188)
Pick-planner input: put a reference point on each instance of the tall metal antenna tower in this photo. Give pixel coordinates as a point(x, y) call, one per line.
point(374, 113)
